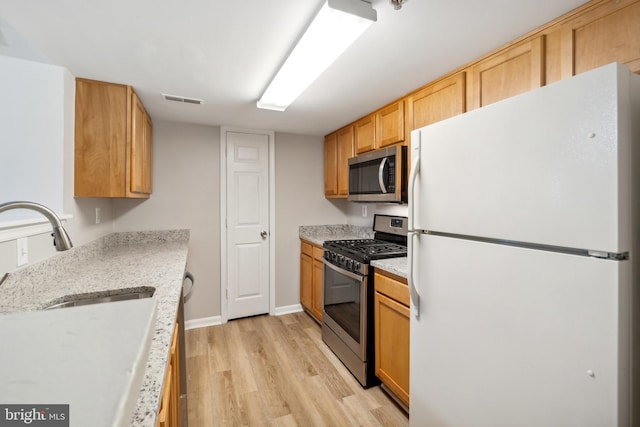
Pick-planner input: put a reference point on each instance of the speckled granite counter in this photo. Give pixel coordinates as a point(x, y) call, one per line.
point(318, 234)
point(397, 266)
point(118, 263)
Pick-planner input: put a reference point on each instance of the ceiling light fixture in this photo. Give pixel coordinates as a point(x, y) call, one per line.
point(336, 26)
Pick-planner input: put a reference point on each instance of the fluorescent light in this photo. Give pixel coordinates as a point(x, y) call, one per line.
point(336, 26)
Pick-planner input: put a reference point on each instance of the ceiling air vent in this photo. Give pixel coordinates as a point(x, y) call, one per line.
point(184, 99)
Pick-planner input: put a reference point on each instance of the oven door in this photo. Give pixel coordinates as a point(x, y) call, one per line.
point(345, 307)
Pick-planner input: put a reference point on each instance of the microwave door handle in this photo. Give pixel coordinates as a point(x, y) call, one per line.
point(381, 175)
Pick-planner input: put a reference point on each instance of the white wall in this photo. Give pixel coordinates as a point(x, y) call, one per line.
point(186, 194)
point(299, 201)
point(355, 217)
point(32, 132)
point(81, 227)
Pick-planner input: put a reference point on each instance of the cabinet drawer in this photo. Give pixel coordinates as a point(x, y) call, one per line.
point(318, 253)
point(392, 288)
point(306, 248)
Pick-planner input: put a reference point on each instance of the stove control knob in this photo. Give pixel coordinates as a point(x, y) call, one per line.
point(327, 255)
point(356, 266)
point(341, 259)
point(350, 265)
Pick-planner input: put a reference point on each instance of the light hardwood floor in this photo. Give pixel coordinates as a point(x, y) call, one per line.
point(276, 371)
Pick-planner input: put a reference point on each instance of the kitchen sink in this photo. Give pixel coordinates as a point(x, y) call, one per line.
point(76, 300)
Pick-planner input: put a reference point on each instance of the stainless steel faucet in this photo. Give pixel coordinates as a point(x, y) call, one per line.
point(61, 239)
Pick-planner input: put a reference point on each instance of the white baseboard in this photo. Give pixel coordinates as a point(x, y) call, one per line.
point(288, 309)
point(217, 320)
point(203, 322)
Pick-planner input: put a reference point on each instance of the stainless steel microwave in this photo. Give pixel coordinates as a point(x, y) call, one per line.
point(379, 176)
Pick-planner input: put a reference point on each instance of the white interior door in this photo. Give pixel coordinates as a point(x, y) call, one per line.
point(247, 249)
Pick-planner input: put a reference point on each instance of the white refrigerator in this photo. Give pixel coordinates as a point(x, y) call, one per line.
point(524, 222)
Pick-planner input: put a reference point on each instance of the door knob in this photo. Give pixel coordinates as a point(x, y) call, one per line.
point(263, 234)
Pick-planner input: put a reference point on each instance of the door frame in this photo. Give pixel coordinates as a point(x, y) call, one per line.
point(224, 309)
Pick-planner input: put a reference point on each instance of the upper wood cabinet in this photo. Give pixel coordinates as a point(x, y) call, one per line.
point(390, 125)
point(441, 100)
point(331, 165)
point(338, 148)
point(513, 71)
point(605, 34)
point(365, 134)
point(345, 151)
point(380, 129)
point(113, 142)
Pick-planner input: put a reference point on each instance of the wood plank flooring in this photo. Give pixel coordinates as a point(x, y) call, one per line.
point(276, 371)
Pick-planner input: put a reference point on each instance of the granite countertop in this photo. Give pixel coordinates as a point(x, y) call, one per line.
point(117, 263)
point(397, 266)
point(318, 234)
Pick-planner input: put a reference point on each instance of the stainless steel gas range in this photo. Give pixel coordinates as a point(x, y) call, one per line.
point(348, 293)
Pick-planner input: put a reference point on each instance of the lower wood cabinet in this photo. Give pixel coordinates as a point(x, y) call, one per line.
point(169, 415)
point(391, 313)
point(311, 279)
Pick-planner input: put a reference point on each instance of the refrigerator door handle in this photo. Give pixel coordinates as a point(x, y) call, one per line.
point(413, 291)
point(415, 169)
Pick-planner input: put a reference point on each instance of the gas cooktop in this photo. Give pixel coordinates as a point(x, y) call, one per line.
point(365, 250)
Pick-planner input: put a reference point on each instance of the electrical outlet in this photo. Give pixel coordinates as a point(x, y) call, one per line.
point(22, 253)
point(98, 218)
point(364, 210)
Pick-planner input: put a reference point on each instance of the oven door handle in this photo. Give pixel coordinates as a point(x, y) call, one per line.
point(343, 271)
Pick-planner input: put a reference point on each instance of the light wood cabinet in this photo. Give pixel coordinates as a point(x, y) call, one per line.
point(113, 142)
point(608, 33)
point(391, 314)
point(338, 148)
point(390, 125)
point(381, 129)
point(331, 165)
point(509, 73)
point(318, 283)
point(345, 151)
point(169, 414)
point(311, 279)
point(365, 134)
point(441, 100)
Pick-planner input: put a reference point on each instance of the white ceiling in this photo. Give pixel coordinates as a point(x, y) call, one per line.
point(226, 52)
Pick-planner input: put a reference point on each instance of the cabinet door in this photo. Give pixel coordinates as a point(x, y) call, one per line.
point(608, 33)
point(100, 139)
point(392, 345)
point(345, 151)
point(390, 125)
point(514, 71)
point(318, 302)
point(306, 281)
point(365, 134)
point(138, 153)
point(439, 101)
point(331, 165)
point(148, 155)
